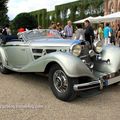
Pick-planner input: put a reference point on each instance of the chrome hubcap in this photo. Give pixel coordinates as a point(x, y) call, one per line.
point(60, 81)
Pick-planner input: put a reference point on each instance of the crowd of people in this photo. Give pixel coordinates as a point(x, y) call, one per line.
point(108, 34)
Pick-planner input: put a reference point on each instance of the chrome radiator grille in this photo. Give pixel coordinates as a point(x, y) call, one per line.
point(85, 57)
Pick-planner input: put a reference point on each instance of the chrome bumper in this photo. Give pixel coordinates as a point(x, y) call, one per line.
point(89, 85)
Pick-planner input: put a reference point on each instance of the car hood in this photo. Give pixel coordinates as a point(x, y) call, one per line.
point(54, 42)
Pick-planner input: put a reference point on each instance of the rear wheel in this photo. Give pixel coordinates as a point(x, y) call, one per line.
point(61, 84)
point(3, 69)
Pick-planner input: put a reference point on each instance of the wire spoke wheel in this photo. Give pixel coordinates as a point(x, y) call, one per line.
point(61, 84)
point(60, 81)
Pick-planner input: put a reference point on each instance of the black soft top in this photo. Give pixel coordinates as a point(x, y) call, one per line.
point(8, 38)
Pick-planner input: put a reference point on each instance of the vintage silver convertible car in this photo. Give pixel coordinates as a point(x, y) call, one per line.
point(71, 65)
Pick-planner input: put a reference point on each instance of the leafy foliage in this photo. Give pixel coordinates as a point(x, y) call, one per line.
point(41, 16)
point(80, 9)
point(3, 13)
point(70, 11)
point(25, 20)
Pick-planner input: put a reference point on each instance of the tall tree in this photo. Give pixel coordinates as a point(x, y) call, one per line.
point(25, 20)
point(3, 13)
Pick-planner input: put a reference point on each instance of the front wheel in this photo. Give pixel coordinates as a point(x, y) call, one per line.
point(61, 84)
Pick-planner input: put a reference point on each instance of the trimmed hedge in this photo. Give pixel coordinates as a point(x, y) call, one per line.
point(71, 11)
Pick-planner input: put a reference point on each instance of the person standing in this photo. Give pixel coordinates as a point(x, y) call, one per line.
point(68, 30)
point(100, 32)
point(107, 34)
point(39, 27)
point(89, 32)
point(96, 33)
point(0, 31)
point(118, 34)
point(0, 35)
point(79, 33)
point(113, 33)
point(59, 27)
point(8, 30)
point(4, 31)
point(52, 25)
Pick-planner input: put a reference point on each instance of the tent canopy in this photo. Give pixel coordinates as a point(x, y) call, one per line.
point(110, 17)
point(106, 18)
point(82, 21)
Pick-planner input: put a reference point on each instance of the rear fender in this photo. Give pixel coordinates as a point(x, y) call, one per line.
point(3, 57)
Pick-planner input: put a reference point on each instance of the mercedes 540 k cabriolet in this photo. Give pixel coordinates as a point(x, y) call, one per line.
point(71, 65)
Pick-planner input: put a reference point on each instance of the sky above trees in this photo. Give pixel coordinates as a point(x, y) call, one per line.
point(18, 6)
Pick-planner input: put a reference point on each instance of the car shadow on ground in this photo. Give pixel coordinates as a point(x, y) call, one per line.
point(98, 95)
point(38, 80)
point(33, 78)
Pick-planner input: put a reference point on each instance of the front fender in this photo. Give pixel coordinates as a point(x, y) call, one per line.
point(113, 54)
point(73, 66)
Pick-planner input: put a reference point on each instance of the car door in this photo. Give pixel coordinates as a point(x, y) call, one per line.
point(18, 54)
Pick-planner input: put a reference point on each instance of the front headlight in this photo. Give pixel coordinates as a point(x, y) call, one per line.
point(98, 46)
point(76, 50)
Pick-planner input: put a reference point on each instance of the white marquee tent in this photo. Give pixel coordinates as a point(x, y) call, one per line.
point(110, 17)
point(82, 21)
point(99, 19)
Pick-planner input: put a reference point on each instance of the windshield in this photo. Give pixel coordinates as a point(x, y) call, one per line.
point(41, 34)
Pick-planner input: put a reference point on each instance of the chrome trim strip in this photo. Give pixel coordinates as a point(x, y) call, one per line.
point(84, 56)
point(83, 89)
point(15, 45)
point(88, 86)
point(89, 83)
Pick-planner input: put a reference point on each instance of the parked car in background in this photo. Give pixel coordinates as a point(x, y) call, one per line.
point(71, 65)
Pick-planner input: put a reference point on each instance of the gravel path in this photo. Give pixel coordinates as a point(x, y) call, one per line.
point(21, 93)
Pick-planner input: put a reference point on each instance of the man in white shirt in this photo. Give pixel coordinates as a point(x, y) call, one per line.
point(68, 30)
point(79, 33)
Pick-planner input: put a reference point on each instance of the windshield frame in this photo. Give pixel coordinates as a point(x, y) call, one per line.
point(32, 34)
